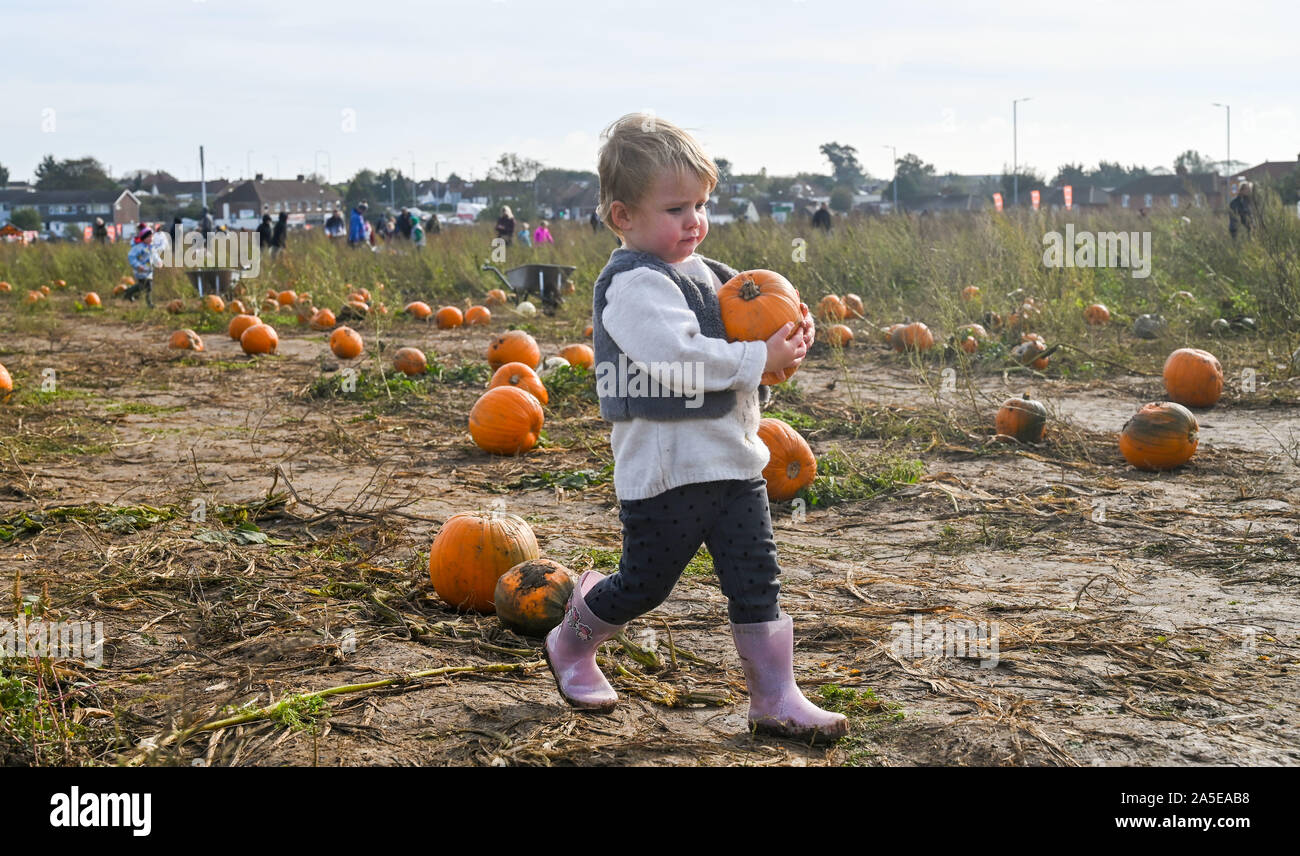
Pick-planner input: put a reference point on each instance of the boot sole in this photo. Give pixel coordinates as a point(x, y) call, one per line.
point(815, 736)
point(606, 707)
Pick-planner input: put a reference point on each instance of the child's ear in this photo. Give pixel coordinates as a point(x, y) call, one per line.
point(619, 214)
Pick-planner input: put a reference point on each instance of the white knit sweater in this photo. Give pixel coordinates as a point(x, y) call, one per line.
point(647, 317)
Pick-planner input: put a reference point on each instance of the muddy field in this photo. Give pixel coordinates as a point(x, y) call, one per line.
point(248, 532)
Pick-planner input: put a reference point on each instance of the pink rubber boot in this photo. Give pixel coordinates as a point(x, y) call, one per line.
point(571, 651)
point(776, 705)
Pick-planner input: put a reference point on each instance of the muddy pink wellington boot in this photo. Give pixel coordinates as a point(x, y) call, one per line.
point(571, 651)
point(776, 705)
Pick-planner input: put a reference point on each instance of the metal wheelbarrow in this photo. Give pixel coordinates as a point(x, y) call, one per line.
point(547, 281)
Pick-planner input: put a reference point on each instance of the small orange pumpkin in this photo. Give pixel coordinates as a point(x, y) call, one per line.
point(790, 466)
point(755, 304)
point(5, 287)
point(839, 335)
point(472, 551)
point(588, 331)
point(119, 288)
point(970, 292)
point(1096, 315)
point(1193, 377)
point(346, 343)
point(1028, 353)
point(1160, 436)
point(286, 298)
point(580, 355)
point(1022, 418)
point(176, 307)
point(260, 339)
point(185, 340)
point(418, 309)
point(6, 383)
point(323, 320)
point(91, 299)
point(912, 337)
point(831, 308)
point(514, 346)
point(478, 315)
point(853, 304)
point(495, 297)
point(239, 324)
point(214, 303)
point(270, 304)
point(237, 307)
point(522, 376)
point(449, 317)
point(410, 361)
point(531, 597)
point(506, 420)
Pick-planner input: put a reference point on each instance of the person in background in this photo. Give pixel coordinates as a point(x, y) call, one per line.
point(205, 225)
point(526, 236)
point(822, 219)
point(433, 225)
point(99, 231)
point(1241, 210)
point(595, 222)
point(280, 237)
point(264, 234)
point(357, 226)
point(543, 234)
point(141, 259)
point(404, 221)
point(334, 225)
point(417, 233)
point(506, 225)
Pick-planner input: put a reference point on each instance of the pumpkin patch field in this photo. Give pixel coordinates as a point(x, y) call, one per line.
point(1004, 538)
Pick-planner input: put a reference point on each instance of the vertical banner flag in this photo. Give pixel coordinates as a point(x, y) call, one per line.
point(1034, 197)
point(1069, 197)
point(997, 202)
point(88, 231)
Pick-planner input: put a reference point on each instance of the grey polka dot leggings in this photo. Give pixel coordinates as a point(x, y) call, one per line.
point(662, 534)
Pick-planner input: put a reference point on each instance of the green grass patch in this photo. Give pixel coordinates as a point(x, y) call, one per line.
point(841, 478)
point(571, 480)
point(143, 408)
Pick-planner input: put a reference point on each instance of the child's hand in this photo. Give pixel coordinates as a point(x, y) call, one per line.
point(807, 325)
point(784, 350)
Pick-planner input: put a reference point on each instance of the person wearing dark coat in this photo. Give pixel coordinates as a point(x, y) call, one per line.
point(100, 231)
point(1241, 210)
point(264, 234)
point(822, 219)
point(280, 235)
point(432, 226)
point(595, 222)
point(506, 225)
point(404, 224)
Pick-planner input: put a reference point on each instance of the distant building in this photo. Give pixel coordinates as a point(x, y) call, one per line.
point(1083, 196)
point(71, 211)
point(187, 191)
point(1270, 170)
point(306, 202)
point(1171, 191)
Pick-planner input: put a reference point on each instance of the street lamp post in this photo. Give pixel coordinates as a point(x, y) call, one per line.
point(894, 149)
point(1227, 166)
point(329, 164)
point(1015, 153)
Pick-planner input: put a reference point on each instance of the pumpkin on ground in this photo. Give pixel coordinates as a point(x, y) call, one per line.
point(853, 304)
point(45, 290)
point(1096, 315)
point(588, 331)
point(91, 299)
point(270, 304)
point(213, 303)
point(410, 361)
point(839, 335)
point(237, 307)
point(506, 420)
point(6, 383)
point(418, 309)
point(1028, 353)
point(346, 343)
point(323, 320)
point(579, 355)
point(185, 340)
point(449, 317)
point(240, 323)
point(121, 287)
point(260, 339)
point(522, 376)
point(1193, 377)
point(970, 292)
point(1160, 436)
point(755, 304)
point(495, 297)
point(912, 337)
point(513, 346)
point(791, 466)
point(33, 297)
point(831, 308)
point(1022, 418)
point(286, 298)
point(5, 287)
point(526, 309)
point(472, 551)
point(478, 315)
point(531, 597)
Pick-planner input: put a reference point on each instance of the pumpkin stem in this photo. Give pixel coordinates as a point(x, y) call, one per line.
point(749, 290)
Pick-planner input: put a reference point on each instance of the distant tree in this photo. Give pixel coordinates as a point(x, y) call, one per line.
point(26, 218)
point(841, 199)
point(4, 175)
point(1070, 173)
point(370, 186)
point(845, 168)
point(80, 174)
point(511, 167)
point(1288, 187)
point(724, 170)
point(1029, 180)
point(1192, 162)
point(914, 175)
point(138, 179)
point(1113, 174)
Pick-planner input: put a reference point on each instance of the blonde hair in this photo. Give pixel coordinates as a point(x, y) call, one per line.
point(637, 149)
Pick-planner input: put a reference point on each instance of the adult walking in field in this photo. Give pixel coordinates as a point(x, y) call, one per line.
point(595, 222)
point(357, 228)
point(404, 223)
point(280, 237)
point(822, 219)
point(99, 231)
point(264, 232)
point(433, 226)
point(542, 234)
point(1241, 210)
point(334, 228)
point(506, 225)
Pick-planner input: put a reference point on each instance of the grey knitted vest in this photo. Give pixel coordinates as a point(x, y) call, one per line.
point(628, 392)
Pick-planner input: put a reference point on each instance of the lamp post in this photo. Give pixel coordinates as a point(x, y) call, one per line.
point(329, 164)
point(1227, 165)
point(1015, 153)
point(894, 149)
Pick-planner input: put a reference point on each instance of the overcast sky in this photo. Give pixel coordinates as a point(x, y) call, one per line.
point(454, 84)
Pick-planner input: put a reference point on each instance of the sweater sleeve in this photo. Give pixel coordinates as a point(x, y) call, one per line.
point(647, 317)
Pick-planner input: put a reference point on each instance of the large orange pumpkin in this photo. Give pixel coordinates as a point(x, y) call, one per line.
point(579, 355)
point(1193, 377)
point(410, 361)
point(240, 323)
point(1022, 418)
point(531, 597)
point(472, 551)
point(791, 466)
point(912, 337)
point(506, 420)
point(478, 315)
point(185, 340)
point(520, 375)
point(755, 304)
point(514, 346)
point(449, 317)
point(418, 309)
point(6, 383)
point(260, 339)
point(346, 343)
point(1160, 436)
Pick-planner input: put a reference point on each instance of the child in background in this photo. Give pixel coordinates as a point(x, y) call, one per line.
point(543, 235)
point(525, 236)
point(688, 468)
point(141, 259)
